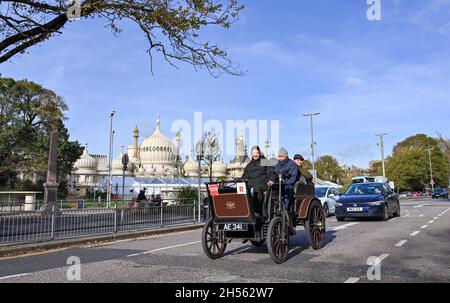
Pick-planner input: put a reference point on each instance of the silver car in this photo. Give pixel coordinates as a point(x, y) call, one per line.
point(328, 196)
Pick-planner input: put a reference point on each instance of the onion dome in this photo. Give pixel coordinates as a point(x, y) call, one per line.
point(219, 169)
point(191, 167)
point(157, 149)
point(85, 164)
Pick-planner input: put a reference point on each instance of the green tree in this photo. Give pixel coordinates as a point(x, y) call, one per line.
point(171, 27)
point(187, 195)
point(28, 112)
point(409, 164)
point(328, 169)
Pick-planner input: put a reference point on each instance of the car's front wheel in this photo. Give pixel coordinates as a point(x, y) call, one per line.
point(326, 210)
point(385, 213)
point(340, 219)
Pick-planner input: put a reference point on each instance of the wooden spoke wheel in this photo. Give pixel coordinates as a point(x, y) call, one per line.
point(315, 225)
point(278, 240)
point(212, 246)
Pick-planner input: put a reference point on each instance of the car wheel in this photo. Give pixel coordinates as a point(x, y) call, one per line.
point(385, 213)
point(397, 214)
point(340, 219)
point(326, 210)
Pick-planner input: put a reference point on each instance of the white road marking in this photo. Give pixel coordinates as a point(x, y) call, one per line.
point(425, 226)
point(401, 243)
point(164, 248)
point(344, 226)
point(430, 222)
point(406, 216)
point(421, 215)
point(352, 280)
point(415, 233)
point(392, 220)
point(14, 276)
point(435, 218)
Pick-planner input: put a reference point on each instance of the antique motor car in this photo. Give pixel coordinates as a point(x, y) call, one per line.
point(233, 216)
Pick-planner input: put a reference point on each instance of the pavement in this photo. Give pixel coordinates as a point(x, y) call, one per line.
point(412, 248)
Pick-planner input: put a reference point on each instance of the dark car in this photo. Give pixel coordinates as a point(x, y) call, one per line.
point(368, 200)
point(440, 193)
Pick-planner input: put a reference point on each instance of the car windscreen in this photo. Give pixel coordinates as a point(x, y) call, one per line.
point(364, 189)
point(321, 192)
point(439, 190)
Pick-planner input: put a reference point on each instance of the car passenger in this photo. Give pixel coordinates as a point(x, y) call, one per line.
point(257, 176)
point(305, 176)
point(289, 171)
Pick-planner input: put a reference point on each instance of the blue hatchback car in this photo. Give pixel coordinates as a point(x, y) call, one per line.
point(368, 200)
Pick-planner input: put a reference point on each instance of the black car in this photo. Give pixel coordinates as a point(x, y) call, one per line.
point(440, 193)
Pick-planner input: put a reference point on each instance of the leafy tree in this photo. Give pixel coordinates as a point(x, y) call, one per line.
point(171, 27)
point(28, 113)
point(328, 169)
point(409, 165)
point(187, 195)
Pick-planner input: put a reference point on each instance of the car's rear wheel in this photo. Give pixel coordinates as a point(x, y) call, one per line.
point(315, 226)
point(397, 214)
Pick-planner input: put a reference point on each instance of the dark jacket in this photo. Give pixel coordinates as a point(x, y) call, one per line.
point(303, 172)
point(257, 174)
point(141, 196)
point(289, 169)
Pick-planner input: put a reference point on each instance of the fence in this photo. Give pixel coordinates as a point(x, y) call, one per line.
point(19, 226)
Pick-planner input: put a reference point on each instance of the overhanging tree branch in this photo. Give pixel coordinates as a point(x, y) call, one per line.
point(171, 27)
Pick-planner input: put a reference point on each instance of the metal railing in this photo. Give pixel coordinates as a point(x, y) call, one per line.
point(36, 226)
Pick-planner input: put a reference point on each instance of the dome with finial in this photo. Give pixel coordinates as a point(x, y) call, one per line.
point(157, 149)
point(86, 163)
point(191, 167)
point(219, 169)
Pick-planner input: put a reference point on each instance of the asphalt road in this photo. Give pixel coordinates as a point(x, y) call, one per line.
point(412, 248)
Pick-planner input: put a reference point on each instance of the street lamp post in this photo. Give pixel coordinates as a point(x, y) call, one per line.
point(311, 115)
point(111, 116)
point(431, 170)
point(200, 154)
point(382, 152)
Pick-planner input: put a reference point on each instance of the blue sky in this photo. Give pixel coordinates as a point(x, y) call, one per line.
point(299, 56)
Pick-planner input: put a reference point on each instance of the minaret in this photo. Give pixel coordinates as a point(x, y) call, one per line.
point(136, 145)
point(178, 156)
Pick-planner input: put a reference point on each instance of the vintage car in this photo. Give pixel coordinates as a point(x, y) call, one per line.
point(233, 217)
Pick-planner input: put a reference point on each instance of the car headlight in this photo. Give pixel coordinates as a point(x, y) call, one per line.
point(339, 204)
point(376, 203)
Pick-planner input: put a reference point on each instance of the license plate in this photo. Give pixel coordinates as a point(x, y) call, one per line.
point(233, 227)
point(354, 209)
